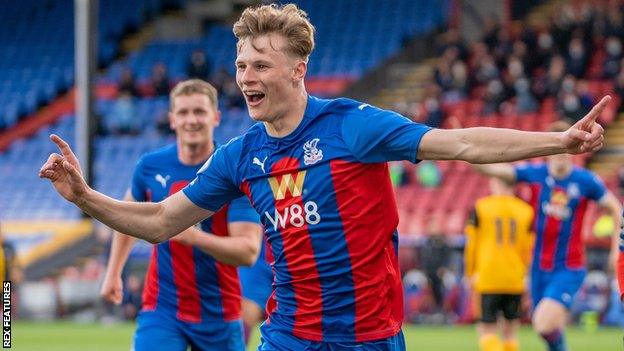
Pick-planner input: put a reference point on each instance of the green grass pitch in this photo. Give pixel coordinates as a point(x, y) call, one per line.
point(68, 336)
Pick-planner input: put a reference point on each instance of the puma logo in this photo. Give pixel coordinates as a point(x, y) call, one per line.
point(162, 180)
point(256, 161)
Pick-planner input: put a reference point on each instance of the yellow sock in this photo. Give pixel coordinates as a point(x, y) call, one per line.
point(491, 342)
point(511, 345)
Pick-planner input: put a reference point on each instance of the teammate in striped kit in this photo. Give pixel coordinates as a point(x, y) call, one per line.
point(560, 195)
point(190, 298)
point(316, 172)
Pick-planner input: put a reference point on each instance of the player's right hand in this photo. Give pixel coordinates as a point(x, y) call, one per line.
point(586, 135)
point(64, 172)
point(112, 289)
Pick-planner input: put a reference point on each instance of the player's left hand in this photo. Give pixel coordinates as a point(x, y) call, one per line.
point(586, 135)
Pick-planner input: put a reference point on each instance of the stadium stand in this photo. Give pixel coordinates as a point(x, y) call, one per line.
point(38, 52)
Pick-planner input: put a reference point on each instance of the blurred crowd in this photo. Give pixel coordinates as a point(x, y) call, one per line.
point(515, 67)
point(123, 121)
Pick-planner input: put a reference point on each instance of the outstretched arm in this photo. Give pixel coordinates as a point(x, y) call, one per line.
point(154, 222)
point(493, 145)
point(112, 286)
point(240, 248)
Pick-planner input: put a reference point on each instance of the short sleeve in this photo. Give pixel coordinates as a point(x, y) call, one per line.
point(216, 182)
point(138, 188)
point(597, 189)
point(240, 210)
point(525, 173)
point(376, 135)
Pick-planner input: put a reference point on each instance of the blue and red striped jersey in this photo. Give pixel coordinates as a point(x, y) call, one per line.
point(325, 199)
point(182, 279)
point(560, 206)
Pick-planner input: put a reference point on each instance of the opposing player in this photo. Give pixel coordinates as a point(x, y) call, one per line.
point(256, 283)
point(497, 256)
point(316, 172)
point(560, 195)
point(192, 293)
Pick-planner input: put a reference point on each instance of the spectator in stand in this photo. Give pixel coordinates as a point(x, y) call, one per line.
point(549, 85)
point(494, 96)
point(619, 87)
point(452, 40)
point(615, 23)
point(585, 96)
point(525, 101)
point(443, 75)
point(569, 103)
point(577, 58)
point(503, 48)
point(432, 105)
point(490, 31)
point(127, 83)
point(160, 80)
point(198, 66)
point(545, 48)
point(459, 84)
point(611, 65)
point(123, 118)
point(486, 71)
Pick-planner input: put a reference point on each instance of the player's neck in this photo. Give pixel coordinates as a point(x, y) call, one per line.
point(287, 123)
point(194, 154)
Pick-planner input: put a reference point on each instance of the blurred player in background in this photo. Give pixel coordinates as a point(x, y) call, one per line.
point(256, 283)
point(560, 195)
point(497, 256)
point(192, 292)
point(10, 269)
point(316, 170)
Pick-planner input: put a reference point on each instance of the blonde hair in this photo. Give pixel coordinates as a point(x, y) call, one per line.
point(287, 20)
point(194, 86)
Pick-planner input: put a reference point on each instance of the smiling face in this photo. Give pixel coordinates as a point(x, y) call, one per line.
point(269, 77)
point(193, 118)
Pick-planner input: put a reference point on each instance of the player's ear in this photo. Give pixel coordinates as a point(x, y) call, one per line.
point(217, 118)
point(301, 67)
point(171, 118)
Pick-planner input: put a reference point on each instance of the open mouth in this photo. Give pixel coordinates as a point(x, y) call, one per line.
point(254, 97)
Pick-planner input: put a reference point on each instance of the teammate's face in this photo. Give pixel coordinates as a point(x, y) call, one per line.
point(193, 118)
point(560, 165)
point(268, 76)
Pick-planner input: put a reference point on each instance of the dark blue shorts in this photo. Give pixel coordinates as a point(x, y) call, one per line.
point(560, 285)
point(158, 331)
point(277, 340)
point(256, 282)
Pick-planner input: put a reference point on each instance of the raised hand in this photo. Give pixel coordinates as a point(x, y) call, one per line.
point(586, 135)
point(64, 172)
